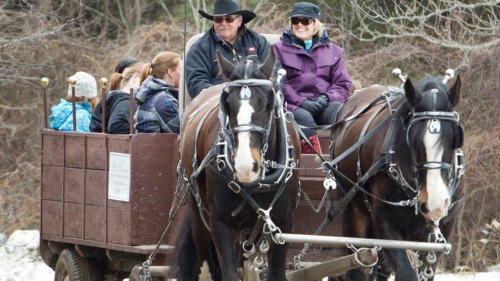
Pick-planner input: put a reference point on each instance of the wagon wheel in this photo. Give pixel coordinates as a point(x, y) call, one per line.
point(72, 267)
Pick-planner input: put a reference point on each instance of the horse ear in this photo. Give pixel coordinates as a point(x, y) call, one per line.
point(267, 68)
point(412, 96)
point(225, 66)
point(455, 91)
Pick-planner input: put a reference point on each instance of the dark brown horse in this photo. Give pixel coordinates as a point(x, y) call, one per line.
point(409, 171)
point(237, 155)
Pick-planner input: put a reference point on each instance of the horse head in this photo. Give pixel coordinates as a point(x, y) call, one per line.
point(433, 136)
point(248, 101)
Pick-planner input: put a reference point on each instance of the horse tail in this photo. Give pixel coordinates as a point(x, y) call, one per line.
point(183, 257)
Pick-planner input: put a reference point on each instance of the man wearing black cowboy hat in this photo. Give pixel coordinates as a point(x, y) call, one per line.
point(228, 35)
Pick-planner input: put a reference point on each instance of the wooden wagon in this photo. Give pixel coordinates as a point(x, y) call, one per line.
point(105, 202)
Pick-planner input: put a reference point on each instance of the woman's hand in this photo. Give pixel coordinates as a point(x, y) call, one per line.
point(322, 100)
point(312, 106)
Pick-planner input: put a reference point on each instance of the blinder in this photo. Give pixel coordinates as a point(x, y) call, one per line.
point(458, 142)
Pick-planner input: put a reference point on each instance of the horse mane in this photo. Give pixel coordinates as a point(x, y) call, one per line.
point(426, 103)
point(257, 70)
point(253, 71)
point(425, 85)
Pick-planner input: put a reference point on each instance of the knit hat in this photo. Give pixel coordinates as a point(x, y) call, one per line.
point(85, 85)
point(228, 7)
point(305, 9)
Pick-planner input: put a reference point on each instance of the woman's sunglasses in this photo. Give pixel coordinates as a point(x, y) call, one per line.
point(303, 21)
point(227, 19)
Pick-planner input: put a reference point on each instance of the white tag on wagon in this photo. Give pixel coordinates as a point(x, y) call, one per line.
point(119, 177)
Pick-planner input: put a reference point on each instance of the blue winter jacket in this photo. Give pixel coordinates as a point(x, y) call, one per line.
point(62, 116)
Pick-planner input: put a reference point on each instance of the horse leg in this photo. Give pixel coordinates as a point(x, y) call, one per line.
point(249, 274)
point(183, 258)
point(204, 245)
point(276, 257)
point(205, 250)
point(398, 258)
point(382, 270)
point(356, 224)
point(223, 239)
point(447, 227)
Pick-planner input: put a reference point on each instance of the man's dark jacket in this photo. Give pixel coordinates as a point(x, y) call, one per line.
point(117, 114)
point(201, 64)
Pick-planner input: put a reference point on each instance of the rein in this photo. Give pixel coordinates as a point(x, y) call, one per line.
point(384, 162)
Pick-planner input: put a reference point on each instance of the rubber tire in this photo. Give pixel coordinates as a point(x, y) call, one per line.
point(72, 267)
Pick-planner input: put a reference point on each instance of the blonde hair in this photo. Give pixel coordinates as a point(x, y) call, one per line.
point(119, 80)
point(93, 101)
point(115, 81)
point(160, 65)
point(317, 29)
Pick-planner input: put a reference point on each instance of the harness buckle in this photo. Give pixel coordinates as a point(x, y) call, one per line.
point(221, 164)
point(405, 203)
point(459, 163)
point(221, 147)
point(198, 200)
point(234, 187)
point(329, 183)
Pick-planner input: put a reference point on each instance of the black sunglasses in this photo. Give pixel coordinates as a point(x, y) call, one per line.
point(303, 21)
point(227, 19)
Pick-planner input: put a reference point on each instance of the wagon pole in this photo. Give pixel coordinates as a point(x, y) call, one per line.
point(104, 83)
point(72, 82)
point(363, 242)
point(131, 111)
point(45, 82)
point(313, 271)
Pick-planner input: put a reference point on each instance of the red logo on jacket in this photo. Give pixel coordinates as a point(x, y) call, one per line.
point(252, 49)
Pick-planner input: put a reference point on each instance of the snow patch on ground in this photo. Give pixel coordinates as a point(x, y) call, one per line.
point(20, 261)
point(19, 258)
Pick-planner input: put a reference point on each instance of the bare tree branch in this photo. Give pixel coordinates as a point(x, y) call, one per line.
point(172, 20)
point(453, 24)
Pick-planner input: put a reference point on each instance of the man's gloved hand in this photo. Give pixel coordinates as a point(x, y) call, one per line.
point(322, 100)
point(313, 107)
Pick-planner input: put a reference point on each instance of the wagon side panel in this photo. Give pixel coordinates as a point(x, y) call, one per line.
point(153, 184)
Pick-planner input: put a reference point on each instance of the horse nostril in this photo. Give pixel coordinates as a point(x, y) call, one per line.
point(255, 168)
point(423, 208)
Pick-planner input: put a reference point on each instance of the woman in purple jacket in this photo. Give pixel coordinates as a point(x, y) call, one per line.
point(316, 82)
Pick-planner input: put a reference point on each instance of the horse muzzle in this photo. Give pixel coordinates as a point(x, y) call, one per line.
point(246, 167)
point(436, 212)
